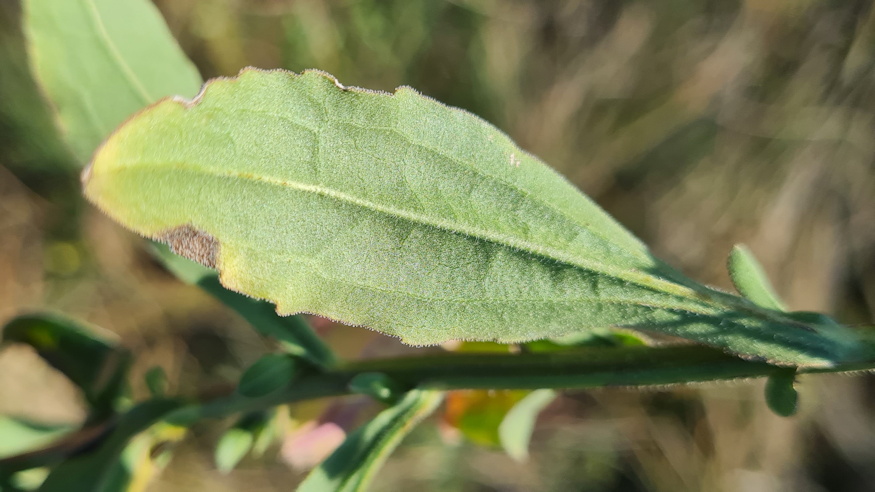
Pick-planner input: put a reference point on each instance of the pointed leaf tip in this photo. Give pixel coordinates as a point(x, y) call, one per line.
point(515, 431)
point(232, 447)
point(750, 279)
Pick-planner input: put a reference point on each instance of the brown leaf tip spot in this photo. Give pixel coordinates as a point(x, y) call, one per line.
point(192, 243)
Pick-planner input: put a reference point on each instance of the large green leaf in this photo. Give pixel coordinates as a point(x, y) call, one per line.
point(352, 466)
point(396, 212)
point(101, 60)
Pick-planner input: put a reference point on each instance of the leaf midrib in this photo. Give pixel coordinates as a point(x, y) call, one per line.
point(111, 48)
point(635, 251)
point(632, 276)
point(517, 300)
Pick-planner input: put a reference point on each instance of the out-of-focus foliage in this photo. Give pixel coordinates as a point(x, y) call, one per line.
point(89, 358)
point(253, 432)
point(733, 121)
point(99, 61)
point(18, 435)
point(121, 463)
point(267, 375)
point(518, 424)
point(354, 464)
point(477, 414)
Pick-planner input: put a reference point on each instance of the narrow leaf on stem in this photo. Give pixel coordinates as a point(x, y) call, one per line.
point(516, 429)
point(352, 466)
point(267, 375)
point(750, 279)
point(781, 394)
point(234, 444)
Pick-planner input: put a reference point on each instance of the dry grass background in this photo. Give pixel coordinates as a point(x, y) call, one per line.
point(698, 124)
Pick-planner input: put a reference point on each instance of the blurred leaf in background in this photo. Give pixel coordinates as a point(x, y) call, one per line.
point(99, 61)
point(478, 414)
point(353, 465)
point(26, 129)
point(90, 357)
point(18, 435)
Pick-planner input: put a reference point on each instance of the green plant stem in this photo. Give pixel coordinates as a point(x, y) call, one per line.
point(575, 369)
point(578, 369)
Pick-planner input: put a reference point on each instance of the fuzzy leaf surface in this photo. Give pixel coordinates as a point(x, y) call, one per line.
point(399, 213)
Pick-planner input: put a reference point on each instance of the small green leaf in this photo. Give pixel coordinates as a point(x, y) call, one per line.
point(516, 429)
point(376, 385)
point(352, 466)
point(781, 395)
point(477, 414)
point(143, 458)
point(89, 356)
point(24, 480)
point(156, 381)
point(398, 213)
point(234, 444)
point(267, 426)
point(267, 375)
point(19, 435)
point(101, 60)
point(252, 432)
point(750, 279)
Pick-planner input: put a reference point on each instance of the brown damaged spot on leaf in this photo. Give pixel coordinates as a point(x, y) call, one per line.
point(192, 243)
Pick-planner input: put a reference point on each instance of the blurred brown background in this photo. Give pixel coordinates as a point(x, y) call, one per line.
point(698, 124)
